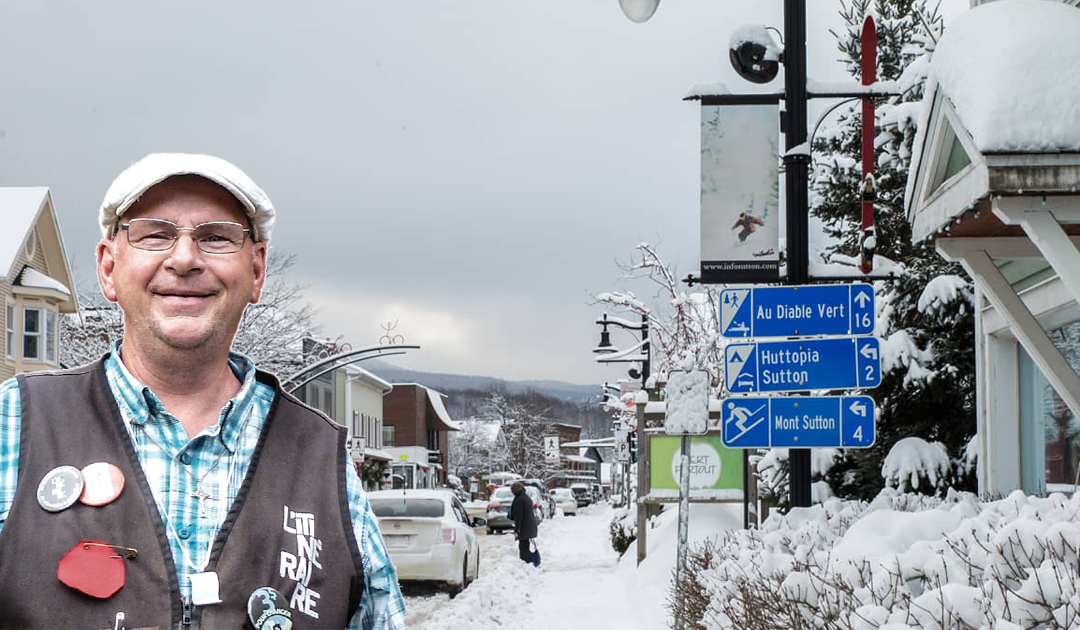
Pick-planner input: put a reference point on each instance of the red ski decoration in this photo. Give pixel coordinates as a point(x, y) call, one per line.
point(868, 193)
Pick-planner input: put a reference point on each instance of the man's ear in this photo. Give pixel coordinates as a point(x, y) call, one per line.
point(258, 265)
point(106, 263)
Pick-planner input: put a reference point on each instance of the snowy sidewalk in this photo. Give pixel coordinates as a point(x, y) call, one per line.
point(580, 584)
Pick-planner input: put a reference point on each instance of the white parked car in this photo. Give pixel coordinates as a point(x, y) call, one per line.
point(566, 500)
point(428, 535)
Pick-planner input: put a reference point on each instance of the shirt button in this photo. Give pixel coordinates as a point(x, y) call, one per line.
point(185, 458)
point(184, 533)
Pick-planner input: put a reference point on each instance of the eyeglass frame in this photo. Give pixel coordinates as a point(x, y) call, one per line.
point(123, 227)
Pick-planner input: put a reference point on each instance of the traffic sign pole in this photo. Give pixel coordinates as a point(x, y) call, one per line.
point(796, 184)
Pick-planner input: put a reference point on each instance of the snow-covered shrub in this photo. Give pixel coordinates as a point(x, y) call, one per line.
point(913, 462)
point(690, 597)
point(901, 561)
point(623, 529)
point(915, 465)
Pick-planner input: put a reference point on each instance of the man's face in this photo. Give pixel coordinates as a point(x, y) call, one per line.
point(183, 298)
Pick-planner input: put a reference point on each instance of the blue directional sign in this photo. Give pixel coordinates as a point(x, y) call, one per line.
point(810, 310)
point(794, 366)
point(798, 422)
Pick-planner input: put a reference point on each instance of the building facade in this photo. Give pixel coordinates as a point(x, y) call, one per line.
point(416, 429)
point(36, 288)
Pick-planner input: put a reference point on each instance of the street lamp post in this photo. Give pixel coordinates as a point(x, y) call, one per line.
point(796, 167)
point(610, 354)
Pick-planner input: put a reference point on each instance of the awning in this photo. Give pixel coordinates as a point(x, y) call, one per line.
point(580, 459)
point(376, 453)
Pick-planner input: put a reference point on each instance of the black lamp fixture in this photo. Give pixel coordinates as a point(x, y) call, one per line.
point(605, 346)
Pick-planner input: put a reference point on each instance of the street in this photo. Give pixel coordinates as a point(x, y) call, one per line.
point(580, 583)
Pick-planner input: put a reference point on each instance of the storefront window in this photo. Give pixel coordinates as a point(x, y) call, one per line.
point(1049, 432)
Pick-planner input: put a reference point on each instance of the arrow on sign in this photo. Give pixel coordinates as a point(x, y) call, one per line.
point(858, 408)
point(862, 298)
point(868, 351)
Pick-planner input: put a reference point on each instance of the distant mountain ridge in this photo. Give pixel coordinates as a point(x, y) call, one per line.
point(569, 392)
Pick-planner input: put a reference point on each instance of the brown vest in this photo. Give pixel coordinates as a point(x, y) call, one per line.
point(290, 516)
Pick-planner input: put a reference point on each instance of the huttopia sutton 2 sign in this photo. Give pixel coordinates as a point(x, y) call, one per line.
point(713, 466)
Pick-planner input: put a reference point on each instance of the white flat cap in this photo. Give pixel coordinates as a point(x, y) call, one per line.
point(157, 167)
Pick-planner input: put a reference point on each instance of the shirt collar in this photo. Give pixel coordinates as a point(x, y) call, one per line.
point(140, 404)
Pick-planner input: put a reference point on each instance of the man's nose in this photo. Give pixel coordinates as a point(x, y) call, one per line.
point(185, 253)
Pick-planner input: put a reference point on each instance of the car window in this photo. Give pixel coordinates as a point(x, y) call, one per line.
point(408, 507)
point(502, 493)
point(459, 510)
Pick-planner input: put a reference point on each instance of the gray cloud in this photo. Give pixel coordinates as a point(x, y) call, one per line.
point(475, 166)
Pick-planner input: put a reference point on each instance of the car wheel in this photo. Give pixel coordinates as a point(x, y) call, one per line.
point(490, 532)
point(457, 588)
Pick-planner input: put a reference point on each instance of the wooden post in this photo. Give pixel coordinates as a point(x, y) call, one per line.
point(643, 484)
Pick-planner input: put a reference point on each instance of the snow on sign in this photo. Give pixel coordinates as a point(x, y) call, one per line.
point(792, 311)
point(687, 402)
point(794, 366)
point(798, 422)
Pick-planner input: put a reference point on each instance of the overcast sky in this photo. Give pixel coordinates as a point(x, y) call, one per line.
point(470, 169)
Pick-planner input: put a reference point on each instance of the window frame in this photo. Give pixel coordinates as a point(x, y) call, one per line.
point(39, 335)
point(50, 335)
point(10, 329)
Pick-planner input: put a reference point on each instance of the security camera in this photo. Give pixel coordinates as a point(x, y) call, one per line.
point(754, 54)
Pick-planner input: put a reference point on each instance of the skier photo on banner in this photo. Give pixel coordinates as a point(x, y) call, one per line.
point(749, 223)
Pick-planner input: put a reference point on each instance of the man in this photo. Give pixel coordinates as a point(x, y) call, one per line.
point(171, 484)
point(521, 511)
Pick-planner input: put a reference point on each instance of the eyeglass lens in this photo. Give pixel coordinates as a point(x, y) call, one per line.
point(217, 237)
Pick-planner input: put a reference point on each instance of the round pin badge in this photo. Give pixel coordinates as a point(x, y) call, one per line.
point(269, 610)
point(60, 488)
point(102, 483)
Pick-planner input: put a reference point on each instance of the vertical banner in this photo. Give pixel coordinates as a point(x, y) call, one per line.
point(740, 193)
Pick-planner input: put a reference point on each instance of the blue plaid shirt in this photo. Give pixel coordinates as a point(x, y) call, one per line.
point(214, 461)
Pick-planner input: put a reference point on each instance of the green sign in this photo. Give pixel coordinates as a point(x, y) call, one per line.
point(713, 466)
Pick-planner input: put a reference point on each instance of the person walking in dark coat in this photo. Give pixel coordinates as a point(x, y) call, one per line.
point(521, 511)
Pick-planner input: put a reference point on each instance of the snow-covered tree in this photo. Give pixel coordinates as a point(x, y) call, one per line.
point(683, 332)
point(925, 316)
point(472, 449)
point(519, 447)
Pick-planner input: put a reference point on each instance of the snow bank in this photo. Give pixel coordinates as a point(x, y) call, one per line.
point(905, 561)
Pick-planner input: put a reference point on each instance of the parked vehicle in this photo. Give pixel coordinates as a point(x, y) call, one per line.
point(548, 503)
point(498, 512)
point(428, 535)
point(597, 492)
point(566, 501)
point(582, 493)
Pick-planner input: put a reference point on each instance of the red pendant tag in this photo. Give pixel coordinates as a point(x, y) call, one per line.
point(92, 567)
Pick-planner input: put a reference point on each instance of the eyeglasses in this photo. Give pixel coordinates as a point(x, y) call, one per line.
point(158, 235)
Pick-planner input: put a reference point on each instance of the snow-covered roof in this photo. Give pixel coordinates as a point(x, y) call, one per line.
point(19, 209)
point(440, 410)
point(30, 277)
point(360, 373)
point(1012, 71)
